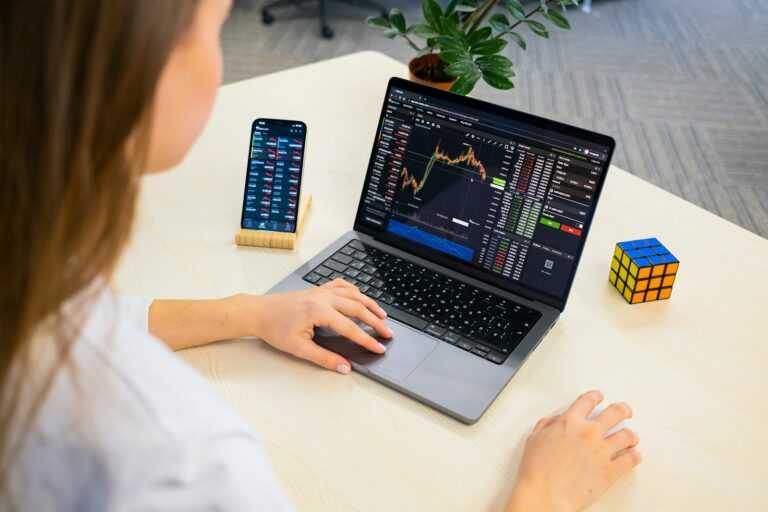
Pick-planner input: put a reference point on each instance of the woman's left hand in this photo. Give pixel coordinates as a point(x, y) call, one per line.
point(287, 321)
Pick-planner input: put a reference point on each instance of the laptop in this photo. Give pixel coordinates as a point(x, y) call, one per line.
point(469, 229)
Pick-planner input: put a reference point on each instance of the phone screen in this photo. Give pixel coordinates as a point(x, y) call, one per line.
point(273, 176)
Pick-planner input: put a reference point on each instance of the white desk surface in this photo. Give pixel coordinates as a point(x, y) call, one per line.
point(695, 368)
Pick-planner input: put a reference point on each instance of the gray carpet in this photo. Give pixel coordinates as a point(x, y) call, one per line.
point(681, 84)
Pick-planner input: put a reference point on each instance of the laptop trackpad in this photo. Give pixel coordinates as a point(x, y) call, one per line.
point(405, 350)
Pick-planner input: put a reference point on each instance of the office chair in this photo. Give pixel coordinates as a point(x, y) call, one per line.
point(325, 30)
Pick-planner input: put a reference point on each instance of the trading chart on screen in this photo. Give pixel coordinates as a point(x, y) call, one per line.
point(507, 198)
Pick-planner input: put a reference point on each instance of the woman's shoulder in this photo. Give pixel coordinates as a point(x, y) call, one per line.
point(126, 413)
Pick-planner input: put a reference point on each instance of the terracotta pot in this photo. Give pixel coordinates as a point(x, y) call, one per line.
point(419, 65)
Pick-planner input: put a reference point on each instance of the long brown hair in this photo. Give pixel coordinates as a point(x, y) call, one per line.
point(77, 82)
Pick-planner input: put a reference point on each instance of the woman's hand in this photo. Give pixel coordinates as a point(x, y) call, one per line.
point(568, 460)
point(287, 321)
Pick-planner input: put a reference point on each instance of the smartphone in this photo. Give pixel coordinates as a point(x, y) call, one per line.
point(273, 175)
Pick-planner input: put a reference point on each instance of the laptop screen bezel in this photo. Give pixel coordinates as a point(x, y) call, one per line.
point(432, 255)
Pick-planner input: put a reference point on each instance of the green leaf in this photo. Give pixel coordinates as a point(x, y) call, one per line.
point(422, 30)
point(391, 33)
point(516, 9)
point(451, 27)
point(499, 22)
point(377, 22)
point(489, 46)
point(465, 8)
point(451, 7)
point(537, 28)
point(451, 56)
point(518, 39)
point(479, 35)
point(450, 43)
point(558, 19)
point(543, 5)
point(496, 64)
point(496, 80)
point(466, 83)
point(432, 15)
point(461, 67)
point(397, 19)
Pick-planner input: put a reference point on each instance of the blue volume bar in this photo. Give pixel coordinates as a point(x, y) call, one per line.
point(435, 242)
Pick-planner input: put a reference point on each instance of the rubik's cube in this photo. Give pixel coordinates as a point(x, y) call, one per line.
point(643, 270)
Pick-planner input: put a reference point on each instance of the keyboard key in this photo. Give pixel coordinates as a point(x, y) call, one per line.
point(323, 271)
point(480, 352)
point(373, 293)
point(365, 278)
point(434, 330)
point(357, 264)
point(313, 277)
point(496, 357)
point(322, 281)
point(377, 283)
point(351, 272)
point(451, 337)
point(363, 287)
point(482, 347)
point(335, 275)
point(359, 255)
point(342, 258)
point(356, 244)
point(465, 344)
point(335, 265)
point(347, 250)
point(406, 318)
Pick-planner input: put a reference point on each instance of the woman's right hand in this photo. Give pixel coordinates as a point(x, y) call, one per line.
point(569, 462)
point(287, 321)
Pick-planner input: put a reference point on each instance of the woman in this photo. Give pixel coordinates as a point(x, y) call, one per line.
point(95, 412)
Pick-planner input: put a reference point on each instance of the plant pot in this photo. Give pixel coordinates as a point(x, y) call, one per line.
point(430, 70)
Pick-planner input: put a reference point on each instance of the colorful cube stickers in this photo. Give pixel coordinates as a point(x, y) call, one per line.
point(643, 270)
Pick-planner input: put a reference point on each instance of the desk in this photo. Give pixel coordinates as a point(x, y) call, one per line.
point(695, 368)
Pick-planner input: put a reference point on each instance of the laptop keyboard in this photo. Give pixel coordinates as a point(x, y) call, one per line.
point(474, 320)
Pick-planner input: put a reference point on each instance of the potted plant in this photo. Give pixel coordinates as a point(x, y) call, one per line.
point(463, 42)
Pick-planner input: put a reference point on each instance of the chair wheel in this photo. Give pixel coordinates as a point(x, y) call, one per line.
point(266, 17)
point(326, 32)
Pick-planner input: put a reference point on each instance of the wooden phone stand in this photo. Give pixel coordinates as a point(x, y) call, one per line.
point(276, 239)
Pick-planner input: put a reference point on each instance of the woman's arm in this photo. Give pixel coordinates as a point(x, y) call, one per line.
point(285, 320)
point(187, 323)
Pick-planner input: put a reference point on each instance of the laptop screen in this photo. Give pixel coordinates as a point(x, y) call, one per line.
point(503, 193)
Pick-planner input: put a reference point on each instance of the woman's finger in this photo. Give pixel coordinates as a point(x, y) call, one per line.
point(349, 329)
point(612, 415)
point(621, 440)
point(323, 357)
point(624, 461)
point(585, 404)
point(338, 283)
point(543, 423)
point(355, 294)
point(357, 310)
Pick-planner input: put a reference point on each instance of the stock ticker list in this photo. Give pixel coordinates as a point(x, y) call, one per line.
point(274, 174)
point(501, 196)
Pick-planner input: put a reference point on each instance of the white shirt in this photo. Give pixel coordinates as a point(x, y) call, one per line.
point(135, 428)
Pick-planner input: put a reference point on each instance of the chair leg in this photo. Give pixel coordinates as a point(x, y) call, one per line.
point(325, 30)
